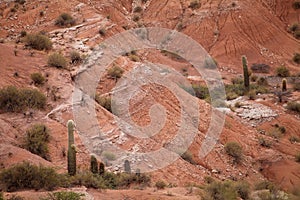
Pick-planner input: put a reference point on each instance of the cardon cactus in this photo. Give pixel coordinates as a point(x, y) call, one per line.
point(94, 165)
point(284, 85)
point(127, 168)
point(246, 73)
point(101, 168)
point(71, 149)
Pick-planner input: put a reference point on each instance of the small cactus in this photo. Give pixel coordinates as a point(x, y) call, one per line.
point(284, 85)
point(127, 166)
point(71, 149)
point(101, 168)
point(246, 73)
point(94, 165)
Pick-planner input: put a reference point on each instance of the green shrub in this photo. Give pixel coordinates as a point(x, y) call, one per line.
point(109, 155)
point(237, 80)
point(194, 4)
point(265, 185)
point(282, 71)
point(262, 81)
point(23, 33)
point(64, 195)
point(297, 157)
point(136, 18)
point(57, 60)
point(188, 156)
point(102, 31)
point(296, 4)
point(243, 189)
point(138, 9)
point(64, 20)
point(36, 141)
point(252, 94)
point(37, 78)
point(1, 196)
point(294, 106)
point(115, 72)
point(75, 57)
point(38, 41)
point(160, 185)
point(20, 1)
point(235, 150)
point(17, 100)
point(28, 176)
point(296, 58)
point(294, 139)
point(264, 143)
point(88, 179)
point(104, 101)
point(294, 27)
point(221, 191)
point(233, 91)
point(297, 34)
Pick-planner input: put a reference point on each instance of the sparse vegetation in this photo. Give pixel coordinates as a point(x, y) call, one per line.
point(104, 101)
point(20, 1)
point(160, 185)
point(17, 100)
point(28, 176)
point(296, 4)
point(294, 106)
point(265, 143)
point(294, 139)
point(38, 41)
point(195, 4)
point(57, 60)
point(235, 150)
point(75, 57)
point(37, 78)
point(115, 72)
point(282, 71)
point(138, 9)
point(296, 58)
point(102, 31)
point(64, 195)
point(65, 20)
point(36, 141)
point(188, 156)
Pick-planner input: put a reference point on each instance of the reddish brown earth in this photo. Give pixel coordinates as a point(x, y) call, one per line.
point(257, 29)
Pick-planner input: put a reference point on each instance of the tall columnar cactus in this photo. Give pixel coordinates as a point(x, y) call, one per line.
point(127, 168)
point(94, 165)
point(101, 168)
point(246, 73)
point(284, 85)
point(71, 149)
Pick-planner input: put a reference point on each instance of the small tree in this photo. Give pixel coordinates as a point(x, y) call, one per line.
point(246, 73)
point(94, 165)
